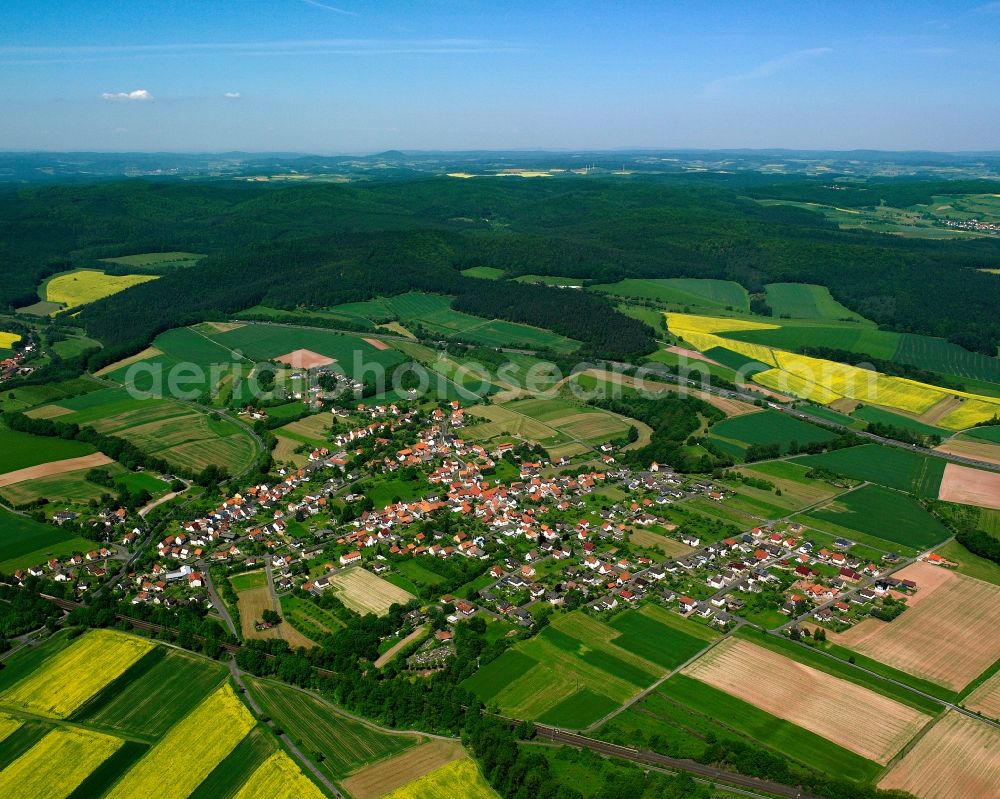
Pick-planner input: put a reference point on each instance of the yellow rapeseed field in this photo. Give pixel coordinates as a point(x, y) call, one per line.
point(787, 383)
point(57, 764)
point(7, 340)
point(861, 384)
point(713, 324)
point(279, 778)
point(973, 410)
point(87, 285)
point(189, 751)
point(458, 778)
point(7, 725)
point(824, 381)
point(69, 679)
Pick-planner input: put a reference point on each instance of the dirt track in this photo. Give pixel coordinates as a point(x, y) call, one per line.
point(54, 467)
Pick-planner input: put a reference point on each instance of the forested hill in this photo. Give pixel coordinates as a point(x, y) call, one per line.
point(319, 244)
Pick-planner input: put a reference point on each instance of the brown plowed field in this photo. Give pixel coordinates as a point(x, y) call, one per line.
point(970, 486)
point(305, 359)
point(938, 410)
point(958, 758)
point(377, 343)
point(812, 699)
point(977, 450)
point(986, 698)
point(149, 352)
point(54, 467)
point(388, 775)
point(948, 637)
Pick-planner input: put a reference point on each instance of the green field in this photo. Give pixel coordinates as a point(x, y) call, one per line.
point(247, 580)
point(25, 542)
point(183, 436)
point(413, 571)
point(226, 779)
point(263, 342)
point(767, 427)
point(434, 314)
point(153, 695)
point(938, 355)
point(31, 396)
point(885, 514)
point(73, 346)
point(577, 669)
point(484, 272)
point(869, 413)
point(805, 301)
point(346, 745)
point(158, 260)
point(682, 291)
point(21, 450)
point(659, 635)
point(989, 433)
point(888, 466)
point(863, 339)
point(760, 726)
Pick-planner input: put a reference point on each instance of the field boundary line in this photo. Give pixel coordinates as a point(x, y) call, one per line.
point(647, 691)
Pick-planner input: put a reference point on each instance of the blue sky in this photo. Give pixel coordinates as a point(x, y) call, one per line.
point(360, 76)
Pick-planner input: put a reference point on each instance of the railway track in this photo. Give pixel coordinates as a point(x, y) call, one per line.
point(669, 763)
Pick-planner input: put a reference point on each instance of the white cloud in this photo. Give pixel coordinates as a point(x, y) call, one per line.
point(232, 95)
point(768, 68)
point(334, 9)
point(138, 94)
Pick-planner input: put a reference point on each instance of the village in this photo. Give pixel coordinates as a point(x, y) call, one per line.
point(544, 538)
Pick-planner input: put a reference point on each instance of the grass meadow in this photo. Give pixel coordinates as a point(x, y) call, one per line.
point(346, 745)
point(888, 466)
point(888, 515)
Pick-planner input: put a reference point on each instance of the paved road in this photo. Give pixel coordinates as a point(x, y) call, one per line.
point(217, 602)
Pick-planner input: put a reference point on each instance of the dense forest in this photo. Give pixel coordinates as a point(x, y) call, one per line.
point(319, 244)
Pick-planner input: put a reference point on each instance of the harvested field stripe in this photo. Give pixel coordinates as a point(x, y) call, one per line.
point(949, 638)
point(57, 764)
point(388, 775)
point(809, 698)
point(461, 778)
point(958, 758)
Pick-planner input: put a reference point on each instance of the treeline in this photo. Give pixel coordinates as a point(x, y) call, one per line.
point(317, 245)
point(902, 434)
point(589, 318)
point(882, 365)
point(23, 610)
point(674, 420)
point(125, 452)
